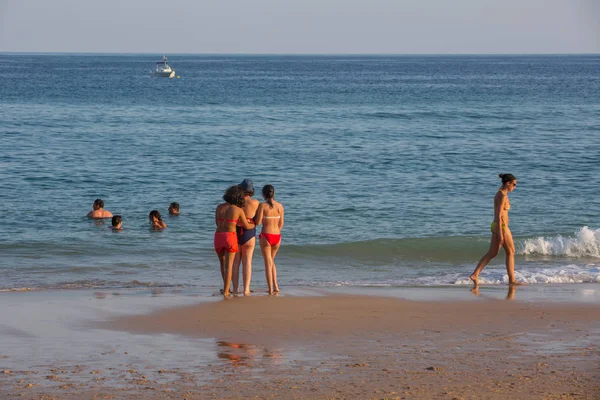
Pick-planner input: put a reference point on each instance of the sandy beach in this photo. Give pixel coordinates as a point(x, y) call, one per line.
point(320, 345)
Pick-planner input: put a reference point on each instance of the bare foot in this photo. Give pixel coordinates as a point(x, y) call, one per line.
point(227, 294)
point(516, 283)
point(276, 289)
point(475, 279)
point(247, 292)
point(475, 290)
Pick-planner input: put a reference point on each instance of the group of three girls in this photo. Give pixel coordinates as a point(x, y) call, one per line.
point(235, 237)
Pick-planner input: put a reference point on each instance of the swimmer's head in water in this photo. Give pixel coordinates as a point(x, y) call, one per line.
point(268, 192)
point(116, 220)
point(174, 208)
point(154, 214)
point(248, 186)
point(235, 196)
point(98, 204)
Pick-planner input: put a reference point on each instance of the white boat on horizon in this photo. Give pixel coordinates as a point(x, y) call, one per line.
point(163, 69)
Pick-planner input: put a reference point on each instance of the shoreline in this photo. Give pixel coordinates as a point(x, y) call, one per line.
point(310, 343)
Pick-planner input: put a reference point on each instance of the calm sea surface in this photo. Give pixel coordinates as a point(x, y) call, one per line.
point(387, 166)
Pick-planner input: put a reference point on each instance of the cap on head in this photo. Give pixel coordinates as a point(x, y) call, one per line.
point(247, 185)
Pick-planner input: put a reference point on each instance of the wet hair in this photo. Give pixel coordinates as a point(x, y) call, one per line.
point(268, 192)
point(507, 178)
point(116, 220)
point(249, 193)
point(235, 196)
point(99, 203)
point(155, 213)
point(174, 205)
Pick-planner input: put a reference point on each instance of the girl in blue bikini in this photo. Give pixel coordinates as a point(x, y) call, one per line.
point(501, 235)
point(246, 239)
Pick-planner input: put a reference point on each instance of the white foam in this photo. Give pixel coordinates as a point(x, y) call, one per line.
point(585, 243)
point(17, 289)
point(558, 274)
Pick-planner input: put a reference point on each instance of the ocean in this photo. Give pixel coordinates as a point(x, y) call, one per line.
point(387, 166)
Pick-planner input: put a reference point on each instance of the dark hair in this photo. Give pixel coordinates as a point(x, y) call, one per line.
point(174, 205)
point(249, 193)
point(268, 192)
point(99, 203)
point(116, 220)
point(155, 213)
point(507, 178)
point(235, 196)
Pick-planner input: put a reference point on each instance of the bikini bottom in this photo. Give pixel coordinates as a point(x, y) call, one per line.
point(272, 238)
point(494, 225)
point(226, 242)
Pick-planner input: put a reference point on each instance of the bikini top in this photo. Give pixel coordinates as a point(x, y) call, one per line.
point(272, 217)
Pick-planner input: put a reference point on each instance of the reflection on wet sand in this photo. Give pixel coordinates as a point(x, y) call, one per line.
point(511, 292)
point(509, 296)
point(241, 354)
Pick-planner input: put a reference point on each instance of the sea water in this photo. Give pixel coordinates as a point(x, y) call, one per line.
point(387, 166)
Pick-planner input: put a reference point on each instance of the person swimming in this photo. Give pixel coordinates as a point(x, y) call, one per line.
point(156, 221)
point(174, 208)
point(227, 216)
point(271, 215)
point(501, 235)
point(117, 222)
point(246, 239)
point(98, 211)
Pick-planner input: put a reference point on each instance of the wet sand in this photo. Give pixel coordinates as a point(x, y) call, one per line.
point(322, 346)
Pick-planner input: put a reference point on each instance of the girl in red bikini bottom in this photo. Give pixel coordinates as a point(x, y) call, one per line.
point(226, 242)
point(271, 238)
point(270, 215)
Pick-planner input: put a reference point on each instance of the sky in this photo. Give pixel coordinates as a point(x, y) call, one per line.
point(301, 26)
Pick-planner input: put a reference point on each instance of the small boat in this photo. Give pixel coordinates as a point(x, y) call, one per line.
point(163, 69)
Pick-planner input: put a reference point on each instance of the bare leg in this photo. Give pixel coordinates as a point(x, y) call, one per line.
point(492, 252)
point(265, 249)
point(247, 251)
point(235, 274)
point(509, 249)
point(229, 257)
point(222, 262)
point(274, 268)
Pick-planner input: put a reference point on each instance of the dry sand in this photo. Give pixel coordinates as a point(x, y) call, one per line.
point(346, 347)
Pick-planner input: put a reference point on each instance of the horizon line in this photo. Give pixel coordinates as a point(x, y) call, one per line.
point(294, 54)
